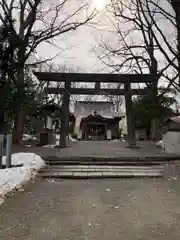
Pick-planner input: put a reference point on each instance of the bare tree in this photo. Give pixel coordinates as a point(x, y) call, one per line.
point(172, 14)
point(53, 67)
point(117, 100)
point(167, 45)
point(32, 22)
point(176, 7)
point(139, 47)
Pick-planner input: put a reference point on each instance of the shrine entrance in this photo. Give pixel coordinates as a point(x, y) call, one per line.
point(125, 79)
point(94, 132)
point(95, 127)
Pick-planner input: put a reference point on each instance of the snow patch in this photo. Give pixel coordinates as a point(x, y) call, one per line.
point(70, 138)
point(27, 137)
point(57, 136)
point(160, 144)
point(16, 177)
point(50, 146)
point(73, 139)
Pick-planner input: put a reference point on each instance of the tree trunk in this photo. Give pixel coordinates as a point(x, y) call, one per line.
point(2, 120)
point(18, 121)
point(18, 126)
point(154, 92)
point(153, 129)
point(178, 41)
point(178, 45)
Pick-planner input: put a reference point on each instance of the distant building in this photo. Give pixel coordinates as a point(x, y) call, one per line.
point(171, 137)
point(96, 120)
point(51, 113)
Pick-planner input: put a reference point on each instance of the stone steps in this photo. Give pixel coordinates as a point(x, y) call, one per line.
point(100, 167)
point(104, 163)
point(156, 159)
point(99, 171)
point(111, 161)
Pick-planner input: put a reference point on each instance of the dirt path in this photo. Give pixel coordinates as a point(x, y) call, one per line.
point(94, 210)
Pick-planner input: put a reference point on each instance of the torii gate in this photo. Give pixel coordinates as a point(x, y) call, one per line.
point(97, 78)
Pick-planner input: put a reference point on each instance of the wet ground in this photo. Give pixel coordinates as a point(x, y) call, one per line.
point(125, 209)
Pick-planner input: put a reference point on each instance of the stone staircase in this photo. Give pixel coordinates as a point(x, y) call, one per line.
point(74, 169)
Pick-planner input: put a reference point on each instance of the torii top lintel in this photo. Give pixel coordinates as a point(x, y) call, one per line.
point(93, 77)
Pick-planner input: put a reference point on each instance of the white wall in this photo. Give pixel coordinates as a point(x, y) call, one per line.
point(171, 141)
point(123, 125)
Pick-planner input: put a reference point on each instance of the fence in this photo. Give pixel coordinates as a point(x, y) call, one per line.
point(5, 143)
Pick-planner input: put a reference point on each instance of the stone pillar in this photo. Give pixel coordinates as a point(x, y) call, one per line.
point(64, 131)
point(129, 115)
point(49, 123)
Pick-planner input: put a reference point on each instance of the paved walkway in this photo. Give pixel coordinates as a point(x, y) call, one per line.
point(94, 210)
point(110, 149)
point(98, 149)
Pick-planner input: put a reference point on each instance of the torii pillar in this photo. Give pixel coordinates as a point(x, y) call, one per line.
point(64, 130)
point(131, 137)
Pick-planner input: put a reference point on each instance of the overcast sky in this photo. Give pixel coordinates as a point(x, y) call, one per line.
point(81, 47)
point(77, 48)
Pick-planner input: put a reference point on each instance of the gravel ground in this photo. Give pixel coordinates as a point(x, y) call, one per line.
point(97, 148)
point(94, 209)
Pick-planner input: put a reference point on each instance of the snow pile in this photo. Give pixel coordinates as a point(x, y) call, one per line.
point(57, 139)
point(115, 140)
point(50, 146)
point(160, 144)
point(57, 136)
point(70, 138)
point(27, 137)
point(16, 177)
point(73, 139)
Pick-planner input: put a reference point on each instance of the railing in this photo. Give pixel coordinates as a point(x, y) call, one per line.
point(8, 150)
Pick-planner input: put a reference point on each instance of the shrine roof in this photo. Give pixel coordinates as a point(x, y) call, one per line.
point(52, 108)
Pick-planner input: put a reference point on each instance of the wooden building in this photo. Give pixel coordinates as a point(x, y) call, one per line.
point(51, 116)
point(96, 127)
